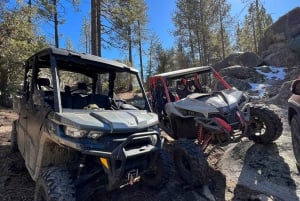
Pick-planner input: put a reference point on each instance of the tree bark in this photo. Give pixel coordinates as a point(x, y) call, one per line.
point(94, 27)
point(222, 30)
point(56, 24)
point(140, 51)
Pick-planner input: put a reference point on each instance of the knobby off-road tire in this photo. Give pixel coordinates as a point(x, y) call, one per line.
point(13, 138)
point(265, 125)
point(159, 174)
point(55, 184)
point(190, 162)
point(295, 131)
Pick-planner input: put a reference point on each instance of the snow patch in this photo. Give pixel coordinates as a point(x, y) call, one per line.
point(260, 89)
point(276, 73)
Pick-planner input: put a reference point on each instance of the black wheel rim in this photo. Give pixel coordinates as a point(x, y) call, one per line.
point(258, 127)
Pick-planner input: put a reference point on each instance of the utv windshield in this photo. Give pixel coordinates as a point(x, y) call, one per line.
point(190, 83)
point(105, 90)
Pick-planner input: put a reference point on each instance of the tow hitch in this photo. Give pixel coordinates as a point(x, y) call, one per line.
point(133, 176)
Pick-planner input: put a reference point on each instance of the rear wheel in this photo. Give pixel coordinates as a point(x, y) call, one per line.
point(159, 173)
point(190, 162)
point(55, 184)
point(295, 130)
point(265, 125)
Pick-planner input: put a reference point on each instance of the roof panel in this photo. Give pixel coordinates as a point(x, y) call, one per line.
point(76, 57)
point(182, 72)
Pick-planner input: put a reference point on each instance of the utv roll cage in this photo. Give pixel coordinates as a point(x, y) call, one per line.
point(158, 85)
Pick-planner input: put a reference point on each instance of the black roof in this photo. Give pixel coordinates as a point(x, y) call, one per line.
point(81, 62)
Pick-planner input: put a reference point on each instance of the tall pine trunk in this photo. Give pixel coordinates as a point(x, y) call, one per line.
point(55, 24)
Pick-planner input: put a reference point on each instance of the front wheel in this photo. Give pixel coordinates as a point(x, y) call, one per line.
point(159, 173)
point(55, 184)
point(190, 162)
point(295, 130)
point(265, 126)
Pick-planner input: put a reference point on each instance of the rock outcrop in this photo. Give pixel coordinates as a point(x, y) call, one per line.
point(248, 59)
point(280, 45)
point(242, 73)
point(283, 95)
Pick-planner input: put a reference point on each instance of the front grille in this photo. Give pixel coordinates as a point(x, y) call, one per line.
point(232, 117)
point(138, 143)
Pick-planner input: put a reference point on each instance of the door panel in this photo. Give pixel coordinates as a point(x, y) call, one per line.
point(36, 118)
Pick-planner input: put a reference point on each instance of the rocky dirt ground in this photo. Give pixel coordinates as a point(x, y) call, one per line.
point(239, 171)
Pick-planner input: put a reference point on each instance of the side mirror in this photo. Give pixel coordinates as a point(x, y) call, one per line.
point(295, 88)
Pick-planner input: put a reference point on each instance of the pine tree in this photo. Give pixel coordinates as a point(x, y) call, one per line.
point(128, 19)
point(18, 40)
point(256, 21)
point(85, 35)
point(53, 12)
point(197, 22)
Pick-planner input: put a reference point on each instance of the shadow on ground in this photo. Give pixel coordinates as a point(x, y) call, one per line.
point(265, 173)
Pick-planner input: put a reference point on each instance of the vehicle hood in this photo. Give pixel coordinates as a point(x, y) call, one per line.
point(227, 97)
point(107, 121)
point(217, 102)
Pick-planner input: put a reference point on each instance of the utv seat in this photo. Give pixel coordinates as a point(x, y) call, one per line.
point(66, 98)
point(191, 88)
point(80, 98)
point(181, 89)
point(79, 101)
point(43, 85)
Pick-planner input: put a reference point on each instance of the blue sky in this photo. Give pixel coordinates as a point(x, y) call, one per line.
point(160, 14)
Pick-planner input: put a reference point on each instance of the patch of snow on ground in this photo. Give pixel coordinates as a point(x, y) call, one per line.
point(260, 89)
point(276, 73)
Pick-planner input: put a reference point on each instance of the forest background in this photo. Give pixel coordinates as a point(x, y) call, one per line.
point(153, 36)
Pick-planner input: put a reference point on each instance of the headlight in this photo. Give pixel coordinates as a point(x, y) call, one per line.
point(95, 134)
point(190, 113)
point(78, 133)
point(183, 112)
point(224, 110)
point(74, 132)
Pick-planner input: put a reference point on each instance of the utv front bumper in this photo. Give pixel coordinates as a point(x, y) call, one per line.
point(124, 157)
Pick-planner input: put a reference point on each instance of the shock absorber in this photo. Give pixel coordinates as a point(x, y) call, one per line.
point(199, 134)
point(202, 137)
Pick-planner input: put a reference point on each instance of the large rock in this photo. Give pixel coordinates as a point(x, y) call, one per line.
point(283, 95)
point(248, 59)
point(282, 57)
point(234, 82)
point(242, 73)
point(280, 45)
